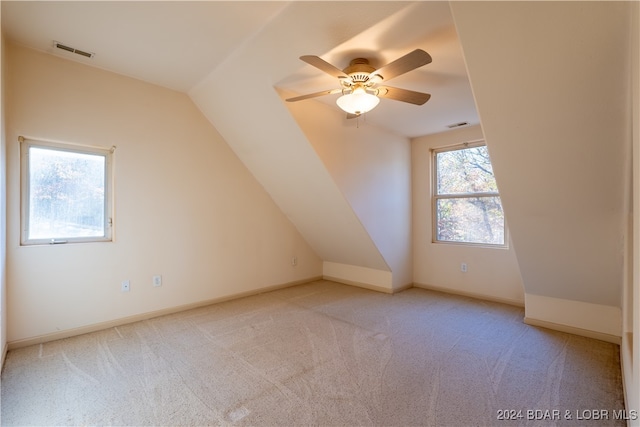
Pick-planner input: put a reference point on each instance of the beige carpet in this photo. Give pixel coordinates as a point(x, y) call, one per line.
point(318, 354)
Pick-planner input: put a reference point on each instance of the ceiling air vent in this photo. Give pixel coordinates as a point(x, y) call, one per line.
point(457, 125)
point(73, 50)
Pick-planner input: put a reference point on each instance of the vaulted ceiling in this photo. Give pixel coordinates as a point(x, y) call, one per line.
point(550, 80)
point(176, 44)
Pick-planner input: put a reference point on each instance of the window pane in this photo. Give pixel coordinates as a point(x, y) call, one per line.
point(470, 220)
point(66, 194)
point(465, 171)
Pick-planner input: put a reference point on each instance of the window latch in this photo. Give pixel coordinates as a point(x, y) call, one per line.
point(57, 242)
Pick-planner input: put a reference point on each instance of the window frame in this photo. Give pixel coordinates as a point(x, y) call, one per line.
point(25, 190)
point(435, 197)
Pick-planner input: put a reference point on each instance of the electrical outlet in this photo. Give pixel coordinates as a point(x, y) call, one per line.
point(157, 281)
point(126, 286)
point(463, 267)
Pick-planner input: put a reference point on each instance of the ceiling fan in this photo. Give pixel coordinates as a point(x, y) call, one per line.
point(360, 83)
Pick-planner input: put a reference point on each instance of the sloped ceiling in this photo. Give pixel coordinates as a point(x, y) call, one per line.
point(549, 79)
point(553, 95)
point(268, 140)
point(256, 123)
point(176, 44)
point(230, 57)
point(423, 25)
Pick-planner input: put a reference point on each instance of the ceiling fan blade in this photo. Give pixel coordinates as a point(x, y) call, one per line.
point(323, 65)
point(314, 95)
point(402, 65)
point(404, 95)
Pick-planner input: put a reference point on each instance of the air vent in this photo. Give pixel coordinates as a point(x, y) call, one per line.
point(457, 125)
point(73, 50)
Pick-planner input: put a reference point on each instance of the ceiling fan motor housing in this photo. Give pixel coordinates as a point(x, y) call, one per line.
point(359, 70)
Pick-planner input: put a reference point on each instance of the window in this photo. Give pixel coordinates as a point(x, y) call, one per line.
point(466, 203)
point(66, 193)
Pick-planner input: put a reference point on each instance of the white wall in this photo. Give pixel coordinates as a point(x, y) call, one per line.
point(255, 122)
point(3, 209)
point(630, 346)
point(372, 168)
point(185, 206)
point(491, 273)
point(557, 119)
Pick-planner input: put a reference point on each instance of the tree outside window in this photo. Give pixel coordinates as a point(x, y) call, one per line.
point(466, 202)
point(65, 193)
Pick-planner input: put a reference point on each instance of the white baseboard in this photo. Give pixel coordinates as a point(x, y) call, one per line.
point(364, 277)
point(359, 284)
point(630, 384)
point(598, 321)
point(501, 300)
point(5, 349)
point(573, 330)
point(145, 316)
point(402, 288)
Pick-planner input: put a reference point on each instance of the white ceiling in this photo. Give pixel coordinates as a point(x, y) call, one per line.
point(177, 44)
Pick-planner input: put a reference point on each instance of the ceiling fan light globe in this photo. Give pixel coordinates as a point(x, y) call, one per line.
point(358, 102)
